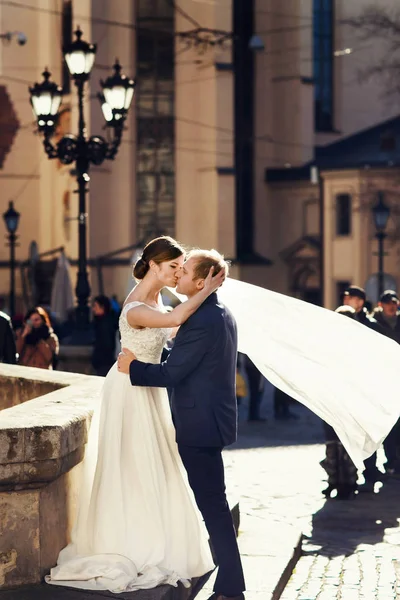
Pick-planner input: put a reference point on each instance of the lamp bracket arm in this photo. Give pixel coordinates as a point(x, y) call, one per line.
point(50, 149)
point(113, 146)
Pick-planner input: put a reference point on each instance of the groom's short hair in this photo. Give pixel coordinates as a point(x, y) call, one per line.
point(204, 260)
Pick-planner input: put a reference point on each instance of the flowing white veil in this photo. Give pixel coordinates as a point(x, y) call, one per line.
point(343, 371)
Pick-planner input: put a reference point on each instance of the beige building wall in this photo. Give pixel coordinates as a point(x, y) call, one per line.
point(359, 105)
point(204, 101)
point(287, 63)
point(43, 189)
point(284, 112)
point(37, 185)
point(112, 209)
point(295, 214)
point(205, 199)
point(284, 129)
point(344, 257)
point(354, 258)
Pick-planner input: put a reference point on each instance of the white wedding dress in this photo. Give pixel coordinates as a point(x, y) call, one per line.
point(137, 525)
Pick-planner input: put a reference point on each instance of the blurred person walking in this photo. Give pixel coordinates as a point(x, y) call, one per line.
point(356, 298)
point(255, 387)
point(387, 316)
point(105, 328)
point(341, 471)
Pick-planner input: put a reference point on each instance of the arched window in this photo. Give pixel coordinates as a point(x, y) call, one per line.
point(343, 214)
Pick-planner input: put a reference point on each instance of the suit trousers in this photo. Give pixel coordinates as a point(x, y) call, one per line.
point(205, 471)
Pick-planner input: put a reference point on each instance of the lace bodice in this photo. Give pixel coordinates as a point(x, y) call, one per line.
point(147, 344)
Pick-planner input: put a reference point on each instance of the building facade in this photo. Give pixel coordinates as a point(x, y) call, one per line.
point(232, 141)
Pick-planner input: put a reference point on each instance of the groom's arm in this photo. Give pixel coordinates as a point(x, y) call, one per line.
point(165, 353)
point(188, 351)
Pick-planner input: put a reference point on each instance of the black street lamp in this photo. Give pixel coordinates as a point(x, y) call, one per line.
point(11, 219)
point(381, 214)
point(46, 98)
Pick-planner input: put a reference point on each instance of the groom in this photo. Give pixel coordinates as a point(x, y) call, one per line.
point(201, 369)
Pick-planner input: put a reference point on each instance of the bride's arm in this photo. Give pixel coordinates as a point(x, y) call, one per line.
point(144, 316)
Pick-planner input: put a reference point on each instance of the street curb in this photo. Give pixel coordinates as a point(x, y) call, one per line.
point(287, 573)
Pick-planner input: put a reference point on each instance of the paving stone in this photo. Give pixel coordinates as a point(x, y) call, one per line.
point(349, 548)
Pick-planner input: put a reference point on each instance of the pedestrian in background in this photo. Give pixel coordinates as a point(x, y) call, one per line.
point(341, 471)
point(241, 387)
point(37, 344)
point(255, 387)
point(8, 349)
point(105, 327)
point(115, 305)
point(387, 315)
point(388, 318)
point(282, 402)
point(355, 297)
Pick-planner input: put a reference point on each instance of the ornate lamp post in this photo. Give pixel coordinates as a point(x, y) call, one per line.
point(381, 214)
point(46, 98)
point(11, 219)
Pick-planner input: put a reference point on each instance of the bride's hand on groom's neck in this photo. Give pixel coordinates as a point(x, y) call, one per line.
point(213, 282)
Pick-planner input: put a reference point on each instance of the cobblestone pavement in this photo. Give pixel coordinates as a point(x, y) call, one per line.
point(274, 471)
point(350, 550)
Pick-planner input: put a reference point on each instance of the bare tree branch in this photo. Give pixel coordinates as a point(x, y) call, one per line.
point(376, 22)
point(384, 25)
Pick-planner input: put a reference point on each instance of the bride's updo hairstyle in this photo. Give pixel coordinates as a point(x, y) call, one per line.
point(161, 249)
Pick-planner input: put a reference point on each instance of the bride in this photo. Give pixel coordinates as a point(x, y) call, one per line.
point(137, 525)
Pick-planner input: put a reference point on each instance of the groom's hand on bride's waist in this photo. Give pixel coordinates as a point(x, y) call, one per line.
point(125, 357)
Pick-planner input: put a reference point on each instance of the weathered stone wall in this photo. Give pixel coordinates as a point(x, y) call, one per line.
point(42, 444)
point(14, 390)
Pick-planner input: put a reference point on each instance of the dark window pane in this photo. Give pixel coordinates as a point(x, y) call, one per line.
point(155, 9)
point(343, 214)
point(323, 32)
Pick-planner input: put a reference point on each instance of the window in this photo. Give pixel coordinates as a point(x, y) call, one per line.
point(155, 119)
point(343, 214)
point(341, 287)
point(66, 29)
point(323, 31)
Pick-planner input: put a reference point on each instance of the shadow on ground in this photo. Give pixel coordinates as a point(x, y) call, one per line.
point(306, 429)
point(340, 527)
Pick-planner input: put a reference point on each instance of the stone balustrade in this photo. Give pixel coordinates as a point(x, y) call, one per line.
point(44, 421)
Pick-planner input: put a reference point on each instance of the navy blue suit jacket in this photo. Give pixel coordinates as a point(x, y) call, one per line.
point(201, 370)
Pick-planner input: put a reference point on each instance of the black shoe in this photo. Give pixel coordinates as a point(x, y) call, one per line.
point(345, 493)
point(368, 487)
point(375, 475)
